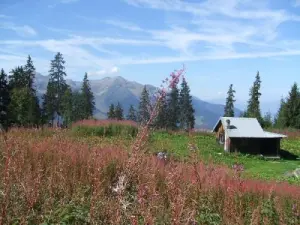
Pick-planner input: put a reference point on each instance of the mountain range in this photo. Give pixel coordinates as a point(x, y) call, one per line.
point(117, 89)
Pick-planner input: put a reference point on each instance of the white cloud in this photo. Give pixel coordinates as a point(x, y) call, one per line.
point(24, 31)
point(296, 3)
point(104, 72)
point(68, 1)
point(123, 25)
point(2, 16)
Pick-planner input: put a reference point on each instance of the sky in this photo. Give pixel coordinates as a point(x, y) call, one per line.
point(219, 42)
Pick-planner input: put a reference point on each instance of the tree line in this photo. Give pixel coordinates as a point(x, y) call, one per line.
point(175, 109)
point(20, 105)
point(288, 115)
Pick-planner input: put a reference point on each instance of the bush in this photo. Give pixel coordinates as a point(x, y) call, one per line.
point(107, 128)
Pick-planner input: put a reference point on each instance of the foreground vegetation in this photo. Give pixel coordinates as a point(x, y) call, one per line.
point(59, 177)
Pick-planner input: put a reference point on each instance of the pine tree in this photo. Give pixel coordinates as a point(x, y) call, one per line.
point(186, 110)
point(88, 97)
point(144, 107)
point(4, 100)
point(17, 78)
point(29, 70)
point(67, 107)
point(34, 113)
point(253, 109)
point(111, 113)
point(267, 120)
point(78, 112)
point(56, 87)
point(162, 117)
point(280, 120)
point(229, 106)
point(119, 112)
point(292, 108)
point(131, 114)
point(173, 108)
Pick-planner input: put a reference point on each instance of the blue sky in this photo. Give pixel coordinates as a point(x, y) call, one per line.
point(219, 41)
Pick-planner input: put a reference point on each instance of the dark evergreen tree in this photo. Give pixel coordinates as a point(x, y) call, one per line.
point(253, 109)
point(144, 107)
point(4, 100)
point(67, 107)
point(56, 87)
point(186, 110)
point(29, 70)
point(78, 112)
point(267, 120)
point(34, 112)
point(17, 78)
point(132, 114)
point(88, 98)
point(173, 108)
point(111, 113)
point(229, 106)
point(292, 108)
point(119, 112)
point(280, 120)
point(162, 117)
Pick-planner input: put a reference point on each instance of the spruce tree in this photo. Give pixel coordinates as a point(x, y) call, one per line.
point(4, 100)
point(17, 78)
point(88, 98)
point(267, 120)
point(131, 114)
point(111, 113)
point(67, 107)
point(186, 110)
point(173, 108)
point(292, 108)
point(119, 112)
point(34, 113)
point(56, 87)
point(78, 112)
point(229, 106)
point(29, 70)
point(253, 109)
point(144, 107)
point(280, 120)
point(162, 117)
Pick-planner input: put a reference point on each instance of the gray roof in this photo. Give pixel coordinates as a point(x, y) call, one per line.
point(245, 127)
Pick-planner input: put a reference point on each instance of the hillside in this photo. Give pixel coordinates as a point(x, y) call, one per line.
point(117, 89)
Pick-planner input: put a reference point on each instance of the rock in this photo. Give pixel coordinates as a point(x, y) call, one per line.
point(297, 173)
point(162, 155)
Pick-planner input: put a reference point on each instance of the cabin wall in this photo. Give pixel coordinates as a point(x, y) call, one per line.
point(264, 146)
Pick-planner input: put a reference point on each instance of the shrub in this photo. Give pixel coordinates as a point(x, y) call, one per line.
point(105, 128)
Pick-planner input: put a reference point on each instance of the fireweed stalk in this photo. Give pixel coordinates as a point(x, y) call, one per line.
point(137, 153)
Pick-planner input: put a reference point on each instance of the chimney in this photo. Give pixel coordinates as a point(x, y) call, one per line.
point(228, 124)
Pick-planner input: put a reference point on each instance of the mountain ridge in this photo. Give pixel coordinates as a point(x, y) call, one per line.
point(115, 89)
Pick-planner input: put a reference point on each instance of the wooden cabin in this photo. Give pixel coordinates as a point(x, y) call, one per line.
point(245, 135)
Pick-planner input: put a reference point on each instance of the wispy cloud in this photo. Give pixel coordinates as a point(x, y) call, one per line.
point(24, 30)
point(2, 16)
point(68, 1)
point(104, 72)
point(123, 25)
point(296, 3)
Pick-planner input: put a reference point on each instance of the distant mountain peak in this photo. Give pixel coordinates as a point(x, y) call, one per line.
point(115, 89)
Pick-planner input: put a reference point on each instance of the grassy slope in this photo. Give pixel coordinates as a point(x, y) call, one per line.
point(208, 150)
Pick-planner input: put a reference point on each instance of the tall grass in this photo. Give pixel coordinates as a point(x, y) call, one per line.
point(51, 179)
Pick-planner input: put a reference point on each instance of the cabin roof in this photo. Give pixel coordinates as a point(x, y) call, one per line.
point(241, 127)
